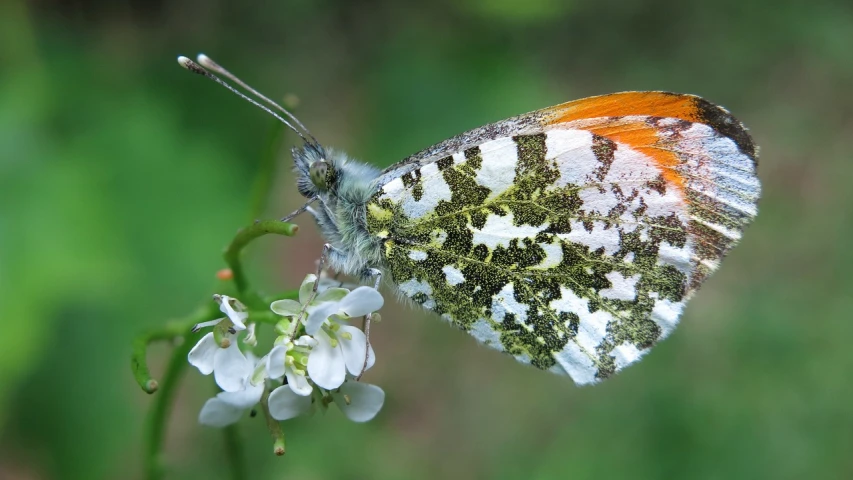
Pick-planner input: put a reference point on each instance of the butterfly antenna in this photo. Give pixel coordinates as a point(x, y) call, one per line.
point(211, 65)
point(196, 68)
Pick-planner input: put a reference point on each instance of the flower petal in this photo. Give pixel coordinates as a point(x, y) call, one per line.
point(253, 359)
point(365, 400)
point(332, 294)
point(361, 301)
point(250, 338)
point(307, 288)
point(203, 354)
point(243, 399)
point(275, 361)
point(286, 308)
point(318, 315)
point(298, 383)
point(233, 315)
point(216, 413)
point(231, 368)
point(326, 365)
point(354, 350)
point(305, 341)
point(284, 404)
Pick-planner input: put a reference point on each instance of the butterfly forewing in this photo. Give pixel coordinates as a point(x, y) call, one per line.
point(570, 241)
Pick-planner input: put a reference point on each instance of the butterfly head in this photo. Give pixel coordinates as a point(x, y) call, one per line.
point(317, 173)
point(331, 175)
point(322, 174)
point(317, 170)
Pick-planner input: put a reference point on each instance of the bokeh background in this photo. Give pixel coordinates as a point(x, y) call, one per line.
point(122, 177)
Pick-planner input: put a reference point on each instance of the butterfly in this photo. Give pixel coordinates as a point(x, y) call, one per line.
point(570, 237)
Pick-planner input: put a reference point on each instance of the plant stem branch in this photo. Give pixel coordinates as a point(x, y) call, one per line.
point(171, 330)
point(155, 425)
point(235, 451)
point(244, 237)
point(159, 413)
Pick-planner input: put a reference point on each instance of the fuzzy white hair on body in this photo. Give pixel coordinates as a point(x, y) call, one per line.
point(343, 192)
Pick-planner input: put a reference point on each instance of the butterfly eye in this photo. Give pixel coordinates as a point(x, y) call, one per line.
point(318, 173)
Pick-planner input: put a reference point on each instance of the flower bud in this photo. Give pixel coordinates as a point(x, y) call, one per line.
point(283, 326)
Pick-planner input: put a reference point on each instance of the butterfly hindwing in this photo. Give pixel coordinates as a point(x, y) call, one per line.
point(570, 242)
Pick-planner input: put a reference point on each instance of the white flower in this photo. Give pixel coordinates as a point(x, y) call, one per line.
point(224, 359)
point(238, 315)
point(289, 360)
point(227, 407)
point(358, 401)
point(340, 349)
point(330, 353)
point(328, 302)
point(359, 302)
point(285, 404)
point(294, 309)
point(228, 365)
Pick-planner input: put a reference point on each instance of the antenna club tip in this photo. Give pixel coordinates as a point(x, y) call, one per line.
point(206, 61)
point(190, 65)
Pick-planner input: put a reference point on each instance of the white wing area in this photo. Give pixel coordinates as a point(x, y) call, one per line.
point(625, 247)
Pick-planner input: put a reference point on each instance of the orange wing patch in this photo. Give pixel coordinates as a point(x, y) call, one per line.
point(654, 104)
point(638, 135)
point(643, 136)
point(644, 139)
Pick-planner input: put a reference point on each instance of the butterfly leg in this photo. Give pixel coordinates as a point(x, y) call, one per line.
point(327, 248)
point(299, 210)
point(377, 275)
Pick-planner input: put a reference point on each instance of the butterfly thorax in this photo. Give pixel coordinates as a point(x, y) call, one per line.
point(343, 187)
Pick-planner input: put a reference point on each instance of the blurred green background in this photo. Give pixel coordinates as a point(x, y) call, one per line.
point(122, 177)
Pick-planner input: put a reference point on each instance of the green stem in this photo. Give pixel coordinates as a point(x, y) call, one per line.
point(159, 412)
point(272, 424)
point(172, 330)
point(156, 424)
point(139, 362)
point(243, 238)
point(235, 451)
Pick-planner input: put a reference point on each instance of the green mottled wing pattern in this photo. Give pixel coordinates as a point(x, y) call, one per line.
point(567, 249)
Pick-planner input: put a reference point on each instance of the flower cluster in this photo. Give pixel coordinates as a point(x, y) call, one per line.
point(315, 360)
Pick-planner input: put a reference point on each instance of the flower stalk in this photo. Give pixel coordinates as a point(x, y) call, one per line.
point(156, 423)
point(272, 424)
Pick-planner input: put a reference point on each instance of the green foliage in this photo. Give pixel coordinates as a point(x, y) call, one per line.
point(122, 178)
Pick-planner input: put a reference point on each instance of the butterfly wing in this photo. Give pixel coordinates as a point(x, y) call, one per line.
point(571, 237)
